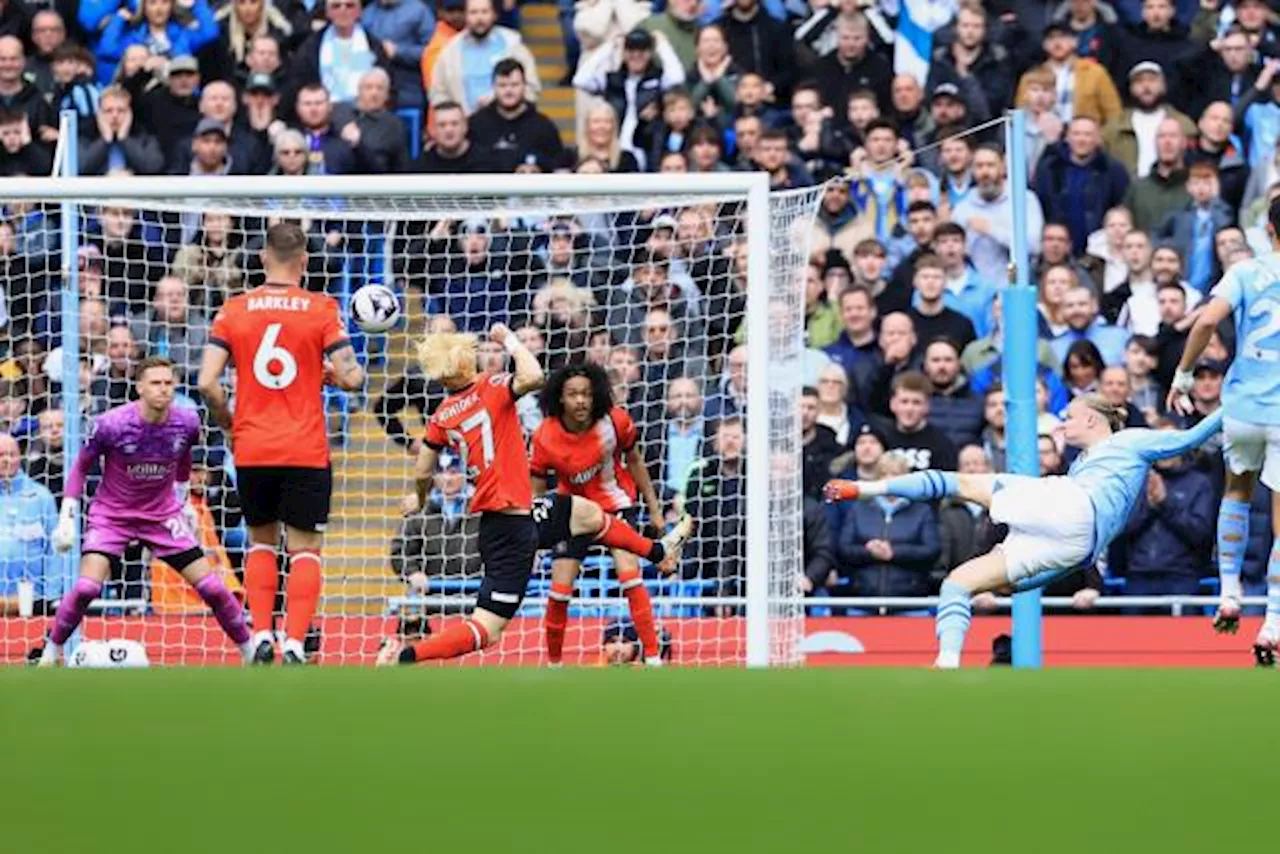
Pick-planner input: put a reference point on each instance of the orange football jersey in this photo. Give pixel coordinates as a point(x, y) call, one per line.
point(481, 424)
point(278, 337)
point(591, 464)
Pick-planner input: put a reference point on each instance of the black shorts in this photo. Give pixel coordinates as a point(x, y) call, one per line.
point(553, 513)
point(577, 548)
point(508, 545)
point(298, 497)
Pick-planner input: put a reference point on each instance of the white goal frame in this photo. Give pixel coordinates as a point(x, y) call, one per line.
point(753, 187)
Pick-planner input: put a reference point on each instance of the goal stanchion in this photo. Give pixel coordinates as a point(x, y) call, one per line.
point(688, 289)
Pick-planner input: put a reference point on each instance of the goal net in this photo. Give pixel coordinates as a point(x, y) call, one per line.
point(689, 292)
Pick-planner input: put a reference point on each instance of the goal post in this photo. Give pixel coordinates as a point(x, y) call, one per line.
point(759, 617)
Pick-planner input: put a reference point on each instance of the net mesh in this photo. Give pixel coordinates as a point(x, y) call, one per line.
point(563, 271)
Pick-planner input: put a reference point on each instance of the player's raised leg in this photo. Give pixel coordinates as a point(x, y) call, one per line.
point(95, 569)
point(587, 519)
point(930, 485)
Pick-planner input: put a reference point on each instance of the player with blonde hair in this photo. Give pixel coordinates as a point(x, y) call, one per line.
point(478, 420)
point(1056, 524)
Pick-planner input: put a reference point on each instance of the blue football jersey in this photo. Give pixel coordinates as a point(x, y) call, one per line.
point(1252, 390)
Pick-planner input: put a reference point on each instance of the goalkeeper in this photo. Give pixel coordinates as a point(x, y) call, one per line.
point(1055, 523)
point(145, 448)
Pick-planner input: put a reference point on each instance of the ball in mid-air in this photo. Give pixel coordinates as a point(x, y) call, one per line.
point(375, 308)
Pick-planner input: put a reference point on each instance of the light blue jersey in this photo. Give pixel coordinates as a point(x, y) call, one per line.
point(1252, 390)
point(1113, 473)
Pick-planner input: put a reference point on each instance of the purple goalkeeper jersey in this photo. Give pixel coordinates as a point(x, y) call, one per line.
point(141, 462)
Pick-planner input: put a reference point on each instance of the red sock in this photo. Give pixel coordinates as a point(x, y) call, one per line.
point(557, 619)
point(302, 593)
point(452, 641)
point(617, 534)
point(261, 579)
point(641, 607)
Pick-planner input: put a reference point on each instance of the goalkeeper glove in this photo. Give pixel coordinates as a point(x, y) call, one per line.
point(1183, 381)
point(64, 533)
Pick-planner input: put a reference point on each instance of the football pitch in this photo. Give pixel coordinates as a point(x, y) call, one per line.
point(498, 760)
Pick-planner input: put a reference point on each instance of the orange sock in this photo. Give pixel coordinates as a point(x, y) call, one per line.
point(302, 593)
point(452, 641)
point(261, 579)
point(557, 619)
point(641, 607)
point(617, 534)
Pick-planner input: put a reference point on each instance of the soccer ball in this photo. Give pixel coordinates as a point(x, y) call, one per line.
point(375, 308)
point(110, 654)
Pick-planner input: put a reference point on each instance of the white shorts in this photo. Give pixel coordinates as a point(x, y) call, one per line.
point(1050, 523)
point(1252, 448)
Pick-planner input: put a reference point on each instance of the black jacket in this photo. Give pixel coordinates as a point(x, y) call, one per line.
point(170, 119)
point(959, 414)
point(511, 140)
point(763, 45)
point(819, 547)
point(818, 454)
point(993, 69)
point(433, 162)
point(413, 390)
point(838, 81)
point(718, 500)
point(926, 448)
point(141, 151)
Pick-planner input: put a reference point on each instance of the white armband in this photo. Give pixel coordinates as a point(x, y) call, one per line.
point(512, 344)
point(1183, 380)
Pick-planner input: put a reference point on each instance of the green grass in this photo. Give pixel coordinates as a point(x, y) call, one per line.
point(480, 761)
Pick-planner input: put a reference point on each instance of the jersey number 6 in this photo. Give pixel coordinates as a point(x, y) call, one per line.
point(269, 354)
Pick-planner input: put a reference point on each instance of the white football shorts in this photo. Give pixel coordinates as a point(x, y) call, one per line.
point(1050, 523)
point(1252, 448)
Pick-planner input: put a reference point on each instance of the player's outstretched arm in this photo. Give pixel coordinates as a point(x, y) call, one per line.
point(64, 532)
point(346, 372)
point(1211, 315)
point(1155, 445)
point(213, 363)
point(528, 373)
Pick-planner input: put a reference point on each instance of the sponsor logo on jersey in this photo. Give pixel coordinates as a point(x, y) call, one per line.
point(585, 476)
point(147, 471)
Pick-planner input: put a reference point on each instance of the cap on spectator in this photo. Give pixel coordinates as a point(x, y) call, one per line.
point(664, 221)
point(638, 39)
point(1146, 67)
point(184, 65)
point(561, 228)
point(1057, 28)
point(869, 429)
point(260, 82)
point(210, 126)
point(1213, 366)
point(475, 225)
point(946, 90)
point(453, 4)
point(835, 260)
point(88, 255)
point(620, 630)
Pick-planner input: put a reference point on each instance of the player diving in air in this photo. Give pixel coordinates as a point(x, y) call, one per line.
point(589, 443)
point(145, 449)
point(1249, 292)
point(1056, 524)
point(478, 419)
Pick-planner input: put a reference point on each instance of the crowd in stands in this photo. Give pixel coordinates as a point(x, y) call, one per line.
point(1153, 144)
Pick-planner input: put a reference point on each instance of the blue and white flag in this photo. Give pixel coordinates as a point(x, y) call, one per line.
point(918, 20)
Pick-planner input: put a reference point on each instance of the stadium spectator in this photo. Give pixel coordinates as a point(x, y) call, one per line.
point(512, 128)
point(403, 27)
point(929, 314)
point(154, 25)
point(986, 214)
point(1081, 322)
point(971, 55)
point(19, 153)
point(1084, 88)
point(48, 33)
point(965, 292)
point(240, 25)
point(452, 152)
point(74, 86)
point(1223, 71)
point(761, 44)
point(1164, 188)
point(954, 408)
point(909, 433)
point(245, 144)
point(834, 409)
point(18, 95)
point(1130, 138)
point(118, 143)
point(211, 264)
point(965, 529)
point(468, 280)
point(171, 112)
point(1104, 251)
point(1258, 114)
point(330, 150)
point(853, 66)
point(379, 134)
point(172, 328)
point(678, 24)
point(650, 286)
point(857, 338)
point(713, 78)
point(46, 461)
point(1191, 230)
point(1216, 144)
point(1170, 533)
point(132, 255)
point(818, 548)
point(839, 225)
point(335, 56)
point(463, 72)
point(888, 546)
point(111, 388)
point(439, 540)
point(601, 142)
point(715, 495)
point(729, 399)
point(819, 446)
point(28, 515)
point(1077, 182)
